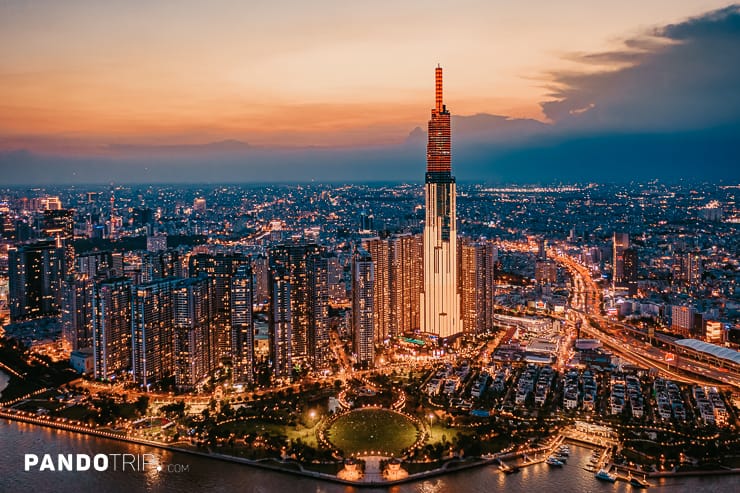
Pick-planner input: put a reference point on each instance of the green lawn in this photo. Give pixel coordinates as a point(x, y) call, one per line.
point(258, 426)
point(249, 426)
point(365, 430)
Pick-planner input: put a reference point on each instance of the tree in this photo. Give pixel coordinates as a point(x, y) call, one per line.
point(226, 410)
point(142, 404)
point(175, 409)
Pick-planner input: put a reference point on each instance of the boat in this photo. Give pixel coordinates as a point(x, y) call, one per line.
point(561, 458)
point(639, 483)
point(604, 475)
point(553, 462)
point(512, 470)
point(565, 450)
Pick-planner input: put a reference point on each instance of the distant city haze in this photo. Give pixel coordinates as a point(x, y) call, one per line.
point(333, 91)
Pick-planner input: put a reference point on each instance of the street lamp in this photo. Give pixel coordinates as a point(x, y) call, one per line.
point(431, 418)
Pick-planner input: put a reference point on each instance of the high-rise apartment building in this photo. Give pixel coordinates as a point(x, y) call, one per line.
point(440, 301)
point(620, 242)
point(363, 326)
point(221, 268)
point(193, 329)
point(111, 319)
point(99, 263)
point(161, 264)
point(406, 252)
point(305, 267)
point(546, 271)
point(36, 272)
point(59, 223)
point(398, 264)
point(337, 286)
point(631, 263)
point(281, 322)
point(318, 328)
point(476, 276)
point(688, 268)
point(261, 273)
point(77, 311)
point(242, 326)
point(541, 248)
point(380, 255)
point(153, 352)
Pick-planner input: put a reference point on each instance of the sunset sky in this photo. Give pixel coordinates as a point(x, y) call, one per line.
point(77, 76)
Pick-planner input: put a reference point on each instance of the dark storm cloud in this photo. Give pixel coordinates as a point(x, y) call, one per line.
point(677, 77)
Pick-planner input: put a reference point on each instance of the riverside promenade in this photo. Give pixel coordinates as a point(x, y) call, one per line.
point(528, 456)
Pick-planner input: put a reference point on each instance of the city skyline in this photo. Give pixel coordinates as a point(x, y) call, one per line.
point(216, 245)
point(271, 320)
point(648, 90)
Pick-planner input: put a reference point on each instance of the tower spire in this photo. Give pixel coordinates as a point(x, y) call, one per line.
point(438, 89)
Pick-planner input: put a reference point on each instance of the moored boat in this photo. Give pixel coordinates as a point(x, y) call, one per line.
point(639, 483)
point(553, 462)
point(604, 475)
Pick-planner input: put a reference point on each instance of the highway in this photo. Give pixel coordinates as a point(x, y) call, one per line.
point(586, 303)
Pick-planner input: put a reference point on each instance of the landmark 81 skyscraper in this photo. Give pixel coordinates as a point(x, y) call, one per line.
point(440, 302)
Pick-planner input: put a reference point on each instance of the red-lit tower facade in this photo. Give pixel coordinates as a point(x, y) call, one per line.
point(440, 300)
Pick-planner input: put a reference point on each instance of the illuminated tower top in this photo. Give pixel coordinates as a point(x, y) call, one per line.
point(438, 145)
point(438, 89)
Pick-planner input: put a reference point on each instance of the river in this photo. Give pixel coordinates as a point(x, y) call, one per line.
point(203, 474)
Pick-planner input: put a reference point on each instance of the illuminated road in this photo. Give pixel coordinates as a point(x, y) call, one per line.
point(586, 303)
point(632, 348)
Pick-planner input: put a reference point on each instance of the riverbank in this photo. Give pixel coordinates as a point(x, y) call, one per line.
point(288, 467)
point(296, 468)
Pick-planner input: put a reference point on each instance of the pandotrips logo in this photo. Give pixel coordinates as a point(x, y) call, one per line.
point(99, 463)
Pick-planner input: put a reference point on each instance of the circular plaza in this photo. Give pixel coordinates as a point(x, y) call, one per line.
point(372, 431)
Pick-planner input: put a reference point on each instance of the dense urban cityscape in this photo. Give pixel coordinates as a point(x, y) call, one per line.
point(381, 333)
point(276, 246)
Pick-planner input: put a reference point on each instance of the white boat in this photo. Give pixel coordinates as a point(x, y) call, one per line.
point(604, 475)
point(553, 462)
